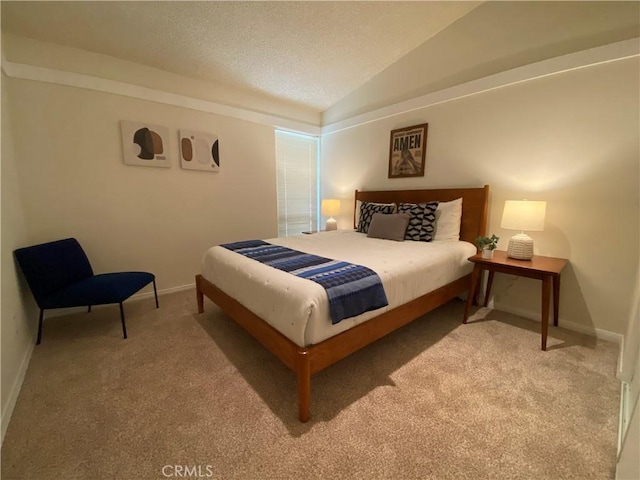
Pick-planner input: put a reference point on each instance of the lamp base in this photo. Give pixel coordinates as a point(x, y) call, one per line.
point(332, 224)
point(520, 247)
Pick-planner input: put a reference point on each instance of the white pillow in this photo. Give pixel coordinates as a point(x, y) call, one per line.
point(448, 218)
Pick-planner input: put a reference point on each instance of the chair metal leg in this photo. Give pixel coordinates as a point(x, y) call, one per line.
point(155, 292)
point(40, 326)
point(124, 327)
point(88, 308)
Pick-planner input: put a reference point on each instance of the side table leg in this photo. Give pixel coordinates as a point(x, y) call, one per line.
point(489, 283)
point(546, 294)
point(556, 299)
point(475, 276)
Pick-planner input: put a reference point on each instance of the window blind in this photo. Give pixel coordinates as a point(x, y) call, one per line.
point(297, 182)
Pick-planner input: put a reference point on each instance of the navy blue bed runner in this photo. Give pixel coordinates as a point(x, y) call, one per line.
point(352, 289)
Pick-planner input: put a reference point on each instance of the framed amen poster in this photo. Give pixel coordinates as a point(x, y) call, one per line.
point(407, 150)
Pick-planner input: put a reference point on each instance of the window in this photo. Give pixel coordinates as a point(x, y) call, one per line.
point(297, 182)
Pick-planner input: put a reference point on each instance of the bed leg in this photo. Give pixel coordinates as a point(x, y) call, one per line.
point(199, 294)
point(303, 374)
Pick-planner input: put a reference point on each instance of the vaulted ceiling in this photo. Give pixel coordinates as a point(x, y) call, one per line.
point(318, 54)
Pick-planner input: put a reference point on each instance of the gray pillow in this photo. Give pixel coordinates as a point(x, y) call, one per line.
point(389, 226)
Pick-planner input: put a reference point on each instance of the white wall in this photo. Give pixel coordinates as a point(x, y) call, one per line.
point(63, 175)
point(628, 466)
point(74, 182)
point(629, 432)
point(570, 139)
point(17, 310)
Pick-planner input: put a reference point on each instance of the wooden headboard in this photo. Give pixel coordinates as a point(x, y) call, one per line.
point(475, 203)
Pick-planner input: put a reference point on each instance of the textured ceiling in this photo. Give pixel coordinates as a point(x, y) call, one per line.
point(311, 53)
point(339, 58)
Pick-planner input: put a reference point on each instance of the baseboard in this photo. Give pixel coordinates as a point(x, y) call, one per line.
point(575, 327)
point(627, 466)
point(623, 421)
point(58, 312)
point(166, 291)
point(15, 391)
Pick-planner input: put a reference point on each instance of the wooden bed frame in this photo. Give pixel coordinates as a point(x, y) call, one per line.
point(305, 361)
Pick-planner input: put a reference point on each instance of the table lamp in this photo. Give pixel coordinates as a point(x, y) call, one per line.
point(331, 207)
point(523, 215)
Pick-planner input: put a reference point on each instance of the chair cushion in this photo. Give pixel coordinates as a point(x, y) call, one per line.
point(100, 289)
point(53, 266)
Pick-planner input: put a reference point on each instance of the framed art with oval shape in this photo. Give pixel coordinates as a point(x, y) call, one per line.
point(199, 151)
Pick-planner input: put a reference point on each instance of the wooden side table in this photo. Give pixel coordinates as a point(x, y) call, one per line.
point(542, 268)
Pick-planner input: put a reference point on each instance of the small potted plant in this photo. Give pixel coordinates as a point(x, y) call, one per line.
point(487, 245)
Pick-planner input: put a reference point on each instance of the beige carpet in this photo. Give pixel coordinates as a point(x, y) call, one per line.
point(436, 399)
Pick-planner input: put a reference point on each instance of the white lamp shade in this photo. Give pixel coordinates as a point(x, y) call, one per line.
point(330, 207)
point(524, 215)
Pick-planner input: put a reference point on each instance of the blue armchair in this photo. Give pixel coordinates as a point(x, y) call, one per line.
point(59, 275)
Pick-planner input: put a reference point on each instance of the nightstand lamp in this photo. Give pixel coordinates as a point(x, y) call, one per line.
point(330, 208)
point(523, 215)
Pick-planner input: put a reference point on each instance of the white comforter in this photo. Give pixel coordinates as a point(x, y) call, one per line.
point(299, 308)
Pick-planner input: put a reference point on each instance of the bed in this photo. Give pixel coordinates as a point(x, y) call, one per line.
point(287, 314)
